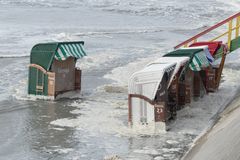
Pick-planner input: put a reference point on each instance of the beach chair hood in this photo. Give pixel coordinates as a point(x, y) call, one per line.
point(199, 57)
point(146, 81)
point(43, 54)
point(180, 61)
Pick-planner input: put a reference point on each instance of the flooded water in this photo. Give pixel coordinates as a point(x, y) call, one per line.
point(120, 38)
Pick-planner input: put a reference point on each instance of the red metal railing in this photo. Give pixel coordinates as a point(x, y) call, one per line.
point(229, 32)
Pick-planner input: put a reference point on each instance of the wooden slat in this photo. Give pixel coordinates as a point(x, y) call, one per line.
point(38, 67)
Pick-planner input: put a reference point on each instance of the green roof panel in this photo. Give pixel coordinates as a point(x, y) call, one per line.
point(197, 61)
point(183, 52)
point(43, 54)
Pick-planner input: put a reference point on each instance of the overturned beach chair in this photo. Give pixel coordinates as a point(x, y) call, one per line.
point(52, 68)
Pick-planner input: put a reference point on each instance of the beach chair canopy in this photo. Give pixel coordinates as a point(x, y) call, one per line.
point(180, 61)
point(199, 57)
point(146, 81)
point(212, 46)
point(205, 50)
point(43, 54)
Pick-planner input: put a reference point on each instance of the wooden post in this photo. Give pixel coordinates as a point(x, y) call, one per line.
point(78, 76)
point(129, 109)
point(221, 67)
point(51, 84)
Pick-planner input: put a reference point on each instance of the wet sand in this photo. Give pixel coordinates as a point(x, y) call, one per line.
point(222, 141)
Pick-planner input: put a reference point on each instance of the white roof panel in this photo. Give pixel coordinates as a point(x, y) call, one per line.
point(146, 81)
point(179, 60)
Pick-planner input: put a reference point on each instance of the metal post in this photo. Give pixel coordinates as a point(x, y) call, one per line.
point(237, 26)
point(229, 33)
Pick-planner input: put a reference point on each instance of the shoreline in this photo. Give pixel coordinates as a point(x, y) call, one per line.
point(220, 118)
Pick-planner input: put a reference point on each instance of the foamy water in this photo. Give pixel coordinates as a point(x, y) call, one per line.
point(104, 113)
